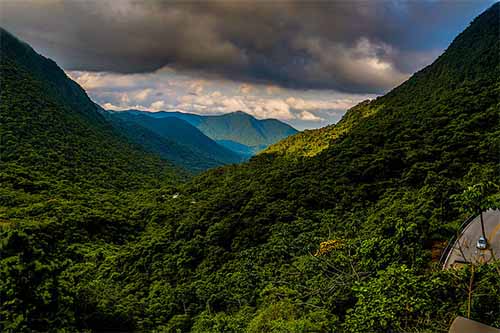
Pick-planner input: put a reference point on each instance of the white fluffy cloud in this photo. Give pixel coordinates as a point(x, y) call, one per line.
point(142, 94)
point(301, 104)
point(111, 106)
point(283, 109)
point(306, 115)
point(102, 80)
point(157, 106)
point(167, 89)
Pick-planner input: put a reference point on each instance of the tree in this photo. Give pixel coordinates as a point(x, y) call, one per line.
point(475, 200)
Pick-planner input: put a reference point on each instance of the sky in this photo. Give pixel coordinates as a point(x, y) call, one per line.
point(304, 63)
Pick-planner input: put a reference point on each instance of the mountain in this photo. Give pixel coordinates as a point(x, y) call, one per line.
point(336, 238)
point(193, 119)
point(242, 128)
point(464, 66)
point(237, 131)
point(332, 232)
point(239, 148)
point(65, 173)
point(309, 143)
point(172, 151)
point(187, 146)
point(49, 125)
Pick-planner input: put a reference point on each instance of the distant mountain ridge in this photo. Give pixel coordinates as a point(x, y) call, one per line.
point(237, 131)
point(189, 147)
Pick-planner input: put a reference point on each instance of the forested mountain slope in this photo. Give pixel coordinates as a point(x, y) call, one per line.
point(471, 61)
point(247, 255)
point(64, 173)
point(49, 125)
point(237, 131)
point(175, 139)
point(338, 240)
point(243, 128)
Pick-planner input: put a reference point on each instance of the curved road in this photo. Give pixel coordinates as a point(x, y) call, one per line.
point(464, 250)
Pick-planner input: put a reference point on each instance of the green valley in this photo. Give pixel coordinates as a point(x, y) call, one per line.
point(328, 230)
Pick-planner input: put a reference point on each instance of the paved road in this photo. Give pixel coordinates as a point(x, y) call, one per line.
point(464, 250)
point(464, 325)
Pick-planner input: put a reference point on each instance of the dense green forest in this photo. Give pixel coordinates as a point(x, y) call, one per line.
point(328, 231)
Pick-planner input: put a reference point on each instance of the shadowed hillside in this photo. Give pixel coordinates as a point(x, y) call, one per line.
point(49, 125)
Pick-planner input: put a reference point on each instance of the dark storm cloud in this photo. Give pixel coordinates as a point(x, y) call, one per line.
point(366, 46)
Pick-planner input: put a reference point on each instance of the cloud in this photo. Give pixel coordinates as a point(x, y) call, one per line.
point(197, 87)
point(306, 115)
point(104, 80)
point(142, 94)
point(364, 66)
point(111, 106)
point(175, 91)
point(272, 89)
point(356, 47)
point(260, 106)
point(273, 108)
point(301, 104)
point(157, 106)
point(245, 89)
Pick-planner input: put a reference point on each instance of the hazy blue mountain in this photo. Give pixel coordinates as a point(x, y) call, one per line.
point(245, 129)
point(239, 148)
point(191, 118)
point(167, 149)
point(238, 131)
point(188, 145)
